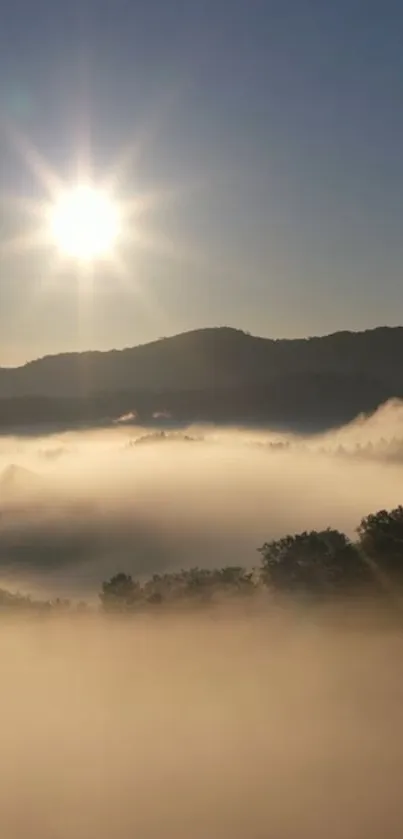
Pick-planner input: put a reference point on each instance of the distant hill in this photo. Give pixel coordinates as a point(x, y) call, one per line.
point(17, 478)
point(217, 374)
point(18, 486)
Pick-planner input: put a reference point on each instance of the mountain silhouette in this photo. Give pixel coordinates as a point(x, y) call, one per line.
point(218, 374)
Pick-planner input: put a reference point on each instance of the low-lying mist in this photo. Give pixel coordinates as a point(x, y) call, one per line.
point(246, 719)
point(221, 725)
point(77, 507)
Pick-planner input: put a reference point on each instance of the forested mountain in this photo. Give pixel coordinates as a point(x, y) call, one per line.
point(217, 374)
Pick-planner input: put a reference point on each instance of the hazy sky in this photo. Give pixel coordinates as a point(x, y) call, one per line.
point(274, 130)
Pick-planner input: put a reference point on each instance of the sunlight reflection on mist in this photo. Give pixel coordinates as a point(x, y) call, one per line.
point(79, 506)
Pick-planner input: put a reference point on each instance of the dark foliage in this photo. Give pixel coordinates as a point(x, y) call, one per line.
point(381, 538)
point(196, 584)
point(16, 603)
point(120, 593)
point(321, 562)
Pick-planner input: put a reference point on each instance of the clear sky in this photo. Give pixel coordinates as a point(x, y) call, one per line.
point(272, 131)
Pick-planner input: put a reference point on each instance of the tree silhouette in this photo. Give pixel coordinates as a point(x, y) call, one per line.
point(120, 593)
point(315, 562)
point(381, 539)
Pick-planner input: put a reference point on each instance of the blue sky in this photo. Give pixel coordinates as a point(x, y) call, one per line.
point(274, 128)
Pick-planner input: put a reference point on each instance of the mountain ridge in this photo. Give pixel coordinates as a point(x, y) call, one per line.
point(214, 373)
point(216, 342)
point(202, 331)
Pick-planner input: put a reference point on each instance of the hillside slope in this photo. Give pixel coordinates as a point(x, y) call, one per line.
point(210, 359)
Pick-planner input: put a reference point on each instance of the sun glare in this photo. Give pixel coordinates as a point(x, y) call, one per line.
point(85, 223)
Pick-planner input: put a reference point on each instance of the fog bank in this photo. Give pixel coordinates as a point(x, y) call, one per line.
point(77, 507)
point(224, 727)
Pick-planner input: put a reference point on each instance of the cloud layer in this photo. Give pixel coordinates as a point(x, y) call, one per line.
point(79, 506)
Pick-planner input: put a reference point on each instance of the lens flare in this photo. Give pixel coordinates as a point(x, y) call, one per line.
point(84, 223)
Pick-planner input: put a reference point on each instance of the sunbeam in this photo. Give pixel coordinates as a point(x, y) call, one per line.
point(94, 230)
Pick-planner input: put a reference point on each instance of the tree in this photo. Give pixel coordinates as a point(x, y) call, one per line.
point(120, 593)
point(315, 562)
point(381, 539)
point(204, 584)
point(200, 585)
point(235, 579)
point(163, 588)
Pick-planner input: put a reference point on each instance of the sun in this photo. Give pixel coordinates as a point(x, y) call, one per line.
point(84, 223)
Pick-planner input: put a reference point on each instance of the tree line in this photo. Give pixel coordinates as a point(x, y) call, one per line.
point(317, 564)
